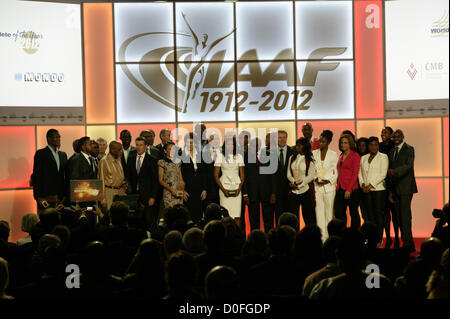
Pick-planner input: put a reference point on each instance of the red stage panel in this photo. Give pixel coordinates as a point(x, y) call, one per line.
point(425, 136)
point(368, 59)
point(428, 198)
point(136, 130)
point(445, 146)
point(68, 135)
point(16, 159)
point(14, 205)
point(335, 126)
point(99, 62)
point(446, 192)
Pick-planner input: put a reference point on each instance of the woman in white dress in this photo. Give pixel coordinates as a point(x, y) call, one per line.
point(325, 161)
point(230, 183)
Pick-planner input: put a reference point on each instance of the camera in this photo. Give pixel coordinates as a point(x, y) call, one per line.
point(441, 213)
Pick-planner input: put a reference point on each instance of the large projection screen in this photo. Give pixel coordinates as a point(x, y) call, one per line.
point(41, 64)
point(416, 39)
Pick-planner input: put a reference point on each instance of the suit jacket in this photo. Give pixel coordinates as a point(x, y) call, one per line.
point(281, 181)
point(196, 181)
point(331, 174)
point(404, 181)
point(124, 163)
point(80, 168)
point(47, 180)
point(268, 182)
point(147, 178)
point(160, 151)
point(253, 182)
point(348, 171)
point(377, 171)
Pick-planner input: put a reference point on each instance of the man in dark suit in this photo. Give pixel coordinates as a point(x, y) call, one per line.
point(253, 184)
point(280, 184)
point(402, 185)
point(143, 180)
point(149, 137)
point(125, 137)
point(164, 135)
point(49, 172)
point(82, 165)
point(194, 175)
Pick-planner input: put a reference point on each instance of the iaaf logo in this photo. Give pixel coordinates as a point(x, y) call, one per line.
point(194, 74)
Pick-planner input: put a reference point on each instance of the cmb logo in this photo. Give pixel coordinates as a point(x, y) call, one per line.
point(215, 82)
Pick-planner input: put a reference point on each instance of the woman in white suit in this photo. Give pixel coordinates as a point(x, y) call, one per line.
point(325, 161)
point(372, 174)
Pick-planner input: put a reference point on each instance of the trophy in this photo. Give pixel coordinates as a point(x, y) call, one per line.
point(297, 173)
point(231, 186)
point(321, 173)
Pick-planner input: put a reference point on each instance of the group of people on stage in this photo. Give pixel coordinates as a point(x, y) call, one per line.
point(377, 177)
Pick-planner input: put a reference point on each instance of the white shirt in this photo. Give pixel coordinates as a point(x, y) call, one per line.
point(193, 157)
point(300, 165)
point(126, 153)
point(55, 155)
point(374, 173)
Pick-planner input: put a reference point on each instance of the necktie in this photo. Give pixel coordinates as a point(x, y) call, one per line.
point(138, 166)
point(91, 160)
point(396, 153)
point(281, 158)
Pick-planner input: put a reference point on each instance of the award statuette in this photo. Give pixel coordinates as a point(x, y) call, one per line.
point(297, 173)
point(321, 173)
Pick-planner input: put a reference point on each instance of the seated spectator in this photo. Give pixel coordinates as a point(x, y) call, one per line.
point(4, 279)
point(193, 241)
point(308, 252)
point(213, 212)
point(181, 274)
point(437, 285)
point(412, 285)
point(288, 219)
point(352, 283)
point(6, 248)
point(96, 281)
point(177, 218)
point(331, 268)
point(172, 242)
point(215, 234)
point(120, 241)
point(277, 276)
point(48, 219)
point(222, 282)
point(335, 227)
point(37, 259)
point(28, 222)
point(234, 239)
point(63, 233)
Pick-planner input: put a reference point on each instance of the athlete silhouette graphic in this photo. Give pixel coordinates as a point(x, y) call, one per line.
point(196, 71)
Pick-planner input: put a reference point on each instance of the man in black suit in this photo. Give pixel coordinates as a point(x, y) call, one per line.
point(253, 184)
point(82, 165)
point(164, 135)
point(143, 180)
point(277, 201)
point(125, 137)
point(49, 172)
point(194, 175)
point(402, 185)
point(149, 137)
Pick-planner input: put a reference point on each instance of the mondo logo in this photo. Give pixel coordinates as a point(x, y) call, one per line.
point(40, 77)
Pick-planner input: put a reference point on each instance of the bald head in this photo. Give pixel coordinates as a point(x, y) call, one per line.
point(115, 149)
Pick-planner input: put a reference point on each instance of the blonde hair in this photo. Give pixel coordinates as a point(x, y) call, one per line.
point(28, 222)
